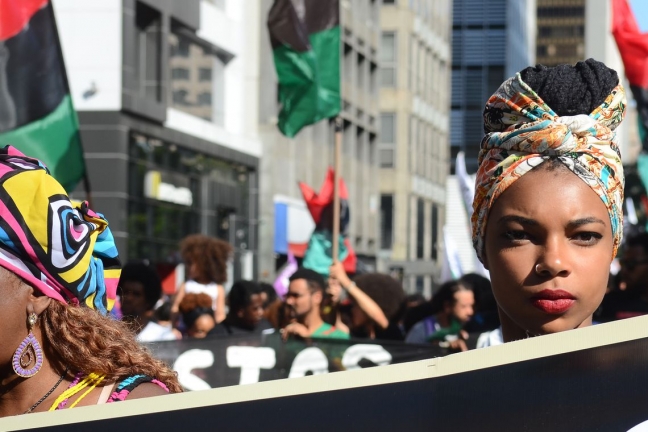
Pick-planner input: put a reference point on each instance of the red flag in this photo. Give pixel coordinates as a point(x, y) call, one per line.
point(15, 14)
point(632, 43)
point(320, 206)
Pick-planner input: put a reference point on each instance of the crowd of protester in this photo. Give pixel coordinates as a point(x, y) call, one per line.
point(461, 314)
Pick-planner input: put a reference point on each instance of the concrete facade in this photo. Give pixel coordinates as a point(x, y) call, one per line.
point(204, 152)
point(306, 157)
point(414, 139)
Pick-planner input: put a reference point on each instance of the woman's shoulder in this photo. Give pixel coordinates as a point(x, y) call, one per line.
point(137, 387)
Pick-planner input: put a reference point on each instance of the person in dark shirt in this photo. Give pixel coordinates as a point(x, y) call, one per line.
point(246, 308)
point(633, 301)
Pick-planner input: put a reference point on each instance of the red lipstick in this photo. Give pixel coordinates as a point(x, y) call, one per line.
point(553, 302)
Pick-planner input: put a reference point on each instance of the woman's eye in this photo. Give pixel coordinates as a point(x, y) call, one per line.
point(516, 235)
point(588, 238)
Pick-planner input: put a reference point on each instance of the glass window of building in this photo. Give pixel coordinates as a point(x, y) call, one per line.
point(435, 232)
point(197, 76)
point(387, 140)
point(148, 70)
point(388, 59)
point(174, 192)
point(386, 221)
point(420, 228)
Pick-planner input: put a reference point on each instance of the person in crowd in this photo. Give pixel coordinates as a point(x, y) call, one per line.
point(414, 300)
point(633, 301)
point(332, 306)
point(376, 302)
point(197, 315)
point(547, 219)
point(268, 294)
point(163, 316)
point(139, 290)
point(246, 311)
point(449, 311)
point(206, 262)
point(59, 270)
point(304, 298)
point(485, 317)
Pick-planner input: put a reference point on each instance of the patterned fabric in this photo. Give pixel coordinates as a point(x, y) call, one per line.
point(128, 385)
point(522, 132)
point(62, 248)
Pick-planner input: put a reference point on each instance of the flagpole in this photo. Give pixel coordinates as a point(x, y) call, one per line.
point(337, 166)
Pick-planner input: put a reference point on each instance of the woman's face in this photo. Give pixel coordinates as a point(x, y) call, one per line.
point(201, 327)
point(550, 219)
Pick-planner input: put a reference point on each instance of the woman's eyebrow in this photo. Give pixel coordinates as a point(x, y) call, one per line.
point(519, 219)
point(585, 221)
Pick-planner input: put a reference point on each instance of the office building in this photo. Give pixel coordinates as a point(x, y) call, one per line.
point(166, 95)
point(414, 155)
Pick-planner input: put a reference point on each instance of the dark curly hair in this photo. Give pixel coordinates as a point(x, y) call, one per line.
point(386, 291)
point(209, 255)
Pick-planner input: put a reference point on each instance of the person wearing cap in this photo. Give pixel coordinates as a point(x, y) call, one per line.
point(547, 218)
point(59, 270)
point(304, 298)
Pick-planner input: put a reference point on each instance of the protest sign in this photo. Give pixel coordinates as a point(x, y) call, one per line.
point(590, 379)
point(219, 362)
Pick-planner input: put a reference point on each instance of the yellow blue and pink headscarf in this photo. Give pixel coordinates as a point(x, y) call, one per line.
point(61, 248)
point(522, 132)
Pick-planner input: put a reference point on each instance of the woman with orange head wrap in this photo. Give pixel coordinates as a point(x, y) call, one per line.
point(547, 215)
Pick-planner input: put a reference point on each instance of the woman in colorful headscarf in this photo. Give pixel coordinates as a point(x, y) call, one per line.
point(547, 217)
point(58, 279)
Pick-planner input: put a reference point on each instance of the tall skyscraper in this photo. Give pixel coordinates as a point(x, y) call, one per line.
point(414, 138)
point(561, 32)
point(491, 41)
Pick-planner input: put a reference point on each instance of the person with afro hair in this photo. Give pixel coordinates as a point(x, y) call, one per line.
point(206, 260)
point(376, 303)
point(197, 315)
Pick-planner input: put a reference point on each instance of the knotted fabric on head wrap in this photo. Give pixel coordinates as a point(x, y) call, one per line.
point(61, 248)
point(522, 132)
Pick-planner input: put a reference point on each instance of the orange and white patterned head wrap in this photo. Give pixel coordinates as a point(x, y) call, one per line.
point(522, 132)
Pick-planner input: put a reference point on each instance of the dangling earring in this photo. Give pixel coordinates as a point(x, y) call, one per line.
point(28, 352)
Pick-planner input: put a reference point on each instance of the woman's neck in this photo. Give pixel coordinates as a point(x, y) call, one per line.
point(512, 332)
point(17, 394)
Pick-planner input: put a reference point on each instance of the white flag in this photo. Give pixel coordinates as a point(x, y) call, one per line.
point(467, 189)
point(466, 183)
point(451, 269)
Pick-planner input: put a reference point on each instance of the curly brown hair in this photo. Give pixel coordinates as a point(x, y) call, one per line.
point(209, 255)
point(193, 301)
point(80, 339)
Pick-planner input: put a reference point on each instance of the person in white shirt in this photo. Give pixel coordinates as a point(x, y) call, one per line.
point(206, 262)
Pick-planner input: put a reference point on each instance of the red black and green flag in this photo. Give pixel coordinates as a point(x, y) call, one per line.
point(36, 112)
point(319, 254)
point(633, 47)
point(305, 38)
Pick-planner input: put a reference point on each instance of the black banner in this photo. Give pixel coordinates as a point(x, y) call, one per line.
point(592, 379)
point(219, 362)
